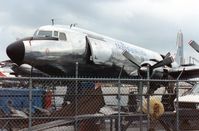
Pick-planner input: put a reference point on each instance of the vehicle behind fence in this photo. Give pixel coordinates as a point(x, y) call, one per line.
point(100, 104)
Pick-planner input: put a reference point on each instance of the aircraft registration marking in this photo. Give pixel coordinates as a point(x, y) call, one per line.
point(134, 51)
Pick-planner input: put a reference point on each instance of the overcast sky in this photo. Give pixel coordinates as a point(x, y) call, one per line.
point(152, 24)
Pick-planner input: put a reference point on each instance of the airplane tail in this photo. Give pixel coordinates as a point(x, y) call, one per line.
point(179, 58)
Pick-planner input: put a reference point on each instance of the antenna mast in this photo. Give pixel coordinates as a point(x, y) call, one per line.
point(52, 20)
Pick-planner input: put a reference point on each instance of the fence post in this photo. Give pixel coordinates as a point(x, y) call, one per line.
point(148, 97)
point(76, 93)
point(177, 100)
point(140, 90)
point(30, 102)
point(119, 105)
point(177, 106)
point(119, 98)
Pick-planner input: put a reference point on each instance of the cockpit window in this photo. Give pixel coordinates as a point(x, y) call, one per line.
point(35, 34)
point(62, 36)
point(56, 33)
point(43, 33)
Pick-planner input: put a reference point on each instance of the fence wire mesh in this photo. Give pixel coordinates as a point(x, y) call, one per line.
point(88, 104)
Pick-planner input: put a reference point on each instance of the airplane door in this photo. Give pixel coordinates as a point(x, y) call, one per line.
point(78, 43)
point(101, 51)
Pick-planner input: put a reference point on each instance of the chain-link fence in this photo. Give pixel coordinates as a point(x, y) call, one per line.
point(97, 104)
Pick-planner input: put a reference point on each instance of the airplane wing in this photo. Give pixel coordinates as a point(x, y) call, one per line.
point(181, 72)
point(185, 72)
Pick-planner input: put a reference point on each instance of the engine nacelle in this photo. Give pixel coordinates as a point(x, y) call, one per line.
point(148, 63)
point(155, 73)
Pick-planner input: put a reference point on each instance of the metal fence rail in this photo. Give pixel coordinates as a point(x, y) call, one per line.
point(84, 104)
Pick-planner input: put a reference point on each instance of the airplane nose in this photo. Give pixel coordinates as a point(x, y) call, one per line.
point(15, 52)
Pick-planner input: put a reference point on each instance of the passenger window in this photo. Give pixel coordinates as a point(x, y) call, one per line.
point(62, 36)
point(56, 33)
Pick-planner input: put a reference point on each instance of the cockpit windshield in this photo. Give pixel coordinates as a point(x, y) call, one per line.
point(50, 34)
point(43, 33)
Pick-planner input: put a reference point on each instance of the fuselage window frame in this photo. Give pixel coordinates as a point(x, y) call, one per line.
point(56, 33)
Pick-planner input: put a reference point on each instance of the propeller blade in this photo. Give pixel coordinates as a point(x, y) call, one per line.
point(194, 45)
point(165, 61)
point(167, 55)
point(130, 57)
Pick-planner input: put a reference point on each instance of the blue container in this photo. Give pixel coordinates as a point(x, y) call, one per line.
point(19, 98)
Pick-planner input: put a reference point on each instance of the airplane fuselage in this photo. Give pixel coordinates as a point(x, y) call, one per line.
point(56, 49)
